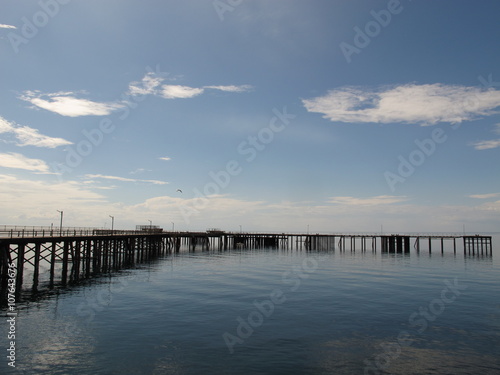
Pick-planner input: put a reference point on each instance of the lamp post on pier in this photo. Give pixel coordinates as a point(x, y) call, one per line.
point(112, 223)
point(60, 225)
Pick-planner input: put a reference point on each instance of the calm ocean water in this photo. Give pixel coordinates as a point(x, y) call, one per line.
point(271, 312)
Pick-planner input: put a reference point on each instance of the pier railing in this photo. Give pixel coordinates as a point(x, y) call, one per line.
point(17, 231)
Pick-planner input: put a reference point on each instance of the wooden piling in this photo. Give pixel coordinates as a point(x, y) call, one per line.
point(36, 266)
point(406, 241)
point(64, 276)
point(399, 244)
point(4, 269)
point(20, 268)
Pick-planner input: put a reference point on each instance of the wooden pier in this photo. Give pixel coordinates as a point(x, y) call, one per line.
point(66, 257)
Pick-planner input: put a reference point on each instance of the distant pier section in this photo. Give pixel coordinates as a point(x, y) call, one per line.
point(68, 255)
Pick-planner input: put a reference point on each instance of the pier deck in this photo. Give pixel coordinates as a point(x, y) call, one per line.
point(66, 256)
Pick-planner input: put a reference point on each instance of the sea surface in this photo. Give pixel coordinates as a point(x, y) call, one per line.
point(271, 311)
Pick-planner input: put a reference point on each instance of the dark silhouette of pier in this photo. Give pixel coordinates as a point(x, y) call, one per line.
point(62, 257)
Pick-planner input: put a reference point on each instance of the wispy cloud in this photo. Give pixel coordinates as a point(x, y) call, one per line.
point(140, 170)
point(70, 105)
point(486, 145)
point(230, 88)
point(18, 161)
point(85, 203)
point(40, 199)
point(166, 158)
point(67, 104)
point(411, 103)
point(124, 179)
point(147, 86)
point(485, 196)
point(3, 26)
point(152, 84)
point(27, 136)
point(178, 91)
point(371, 201)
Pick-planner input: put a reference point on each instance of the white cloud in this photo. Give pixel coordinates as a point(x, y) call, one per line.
point(151, 84)
point(30, 137)
point(484, 196)
point(166, 158)
point(411, 103)
point(178, 91)
point(147, 86)
point(486, 145)
point(85, 205)
point(220, 209)
point(66, 104)
point(3, 26)
point(230, 88)
point(41, 199)
point(124, 179)
point(371, 201)
point(18, 161)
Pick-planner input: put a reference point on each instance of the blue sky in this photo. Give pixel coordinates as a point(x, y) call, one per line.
point(272, 115)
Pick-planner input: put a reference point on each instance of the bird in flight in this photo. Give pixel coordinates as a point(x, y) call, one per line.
point(179, 190)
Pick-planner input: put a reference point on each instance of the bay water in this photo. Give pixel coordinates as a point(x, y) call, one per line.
point(270, 311)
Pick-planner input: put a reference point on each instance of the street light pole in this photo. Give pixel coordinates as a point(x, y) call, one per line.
point(60, 225)
point(150, 225)
point(112, 223)
point(173, 226)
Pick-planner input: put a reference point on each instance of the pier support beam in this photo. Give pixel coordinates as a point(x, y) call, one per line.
point(64, 276)
point(4, 267)
point(20, 268)
point(481, 243)
point(36, 266)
